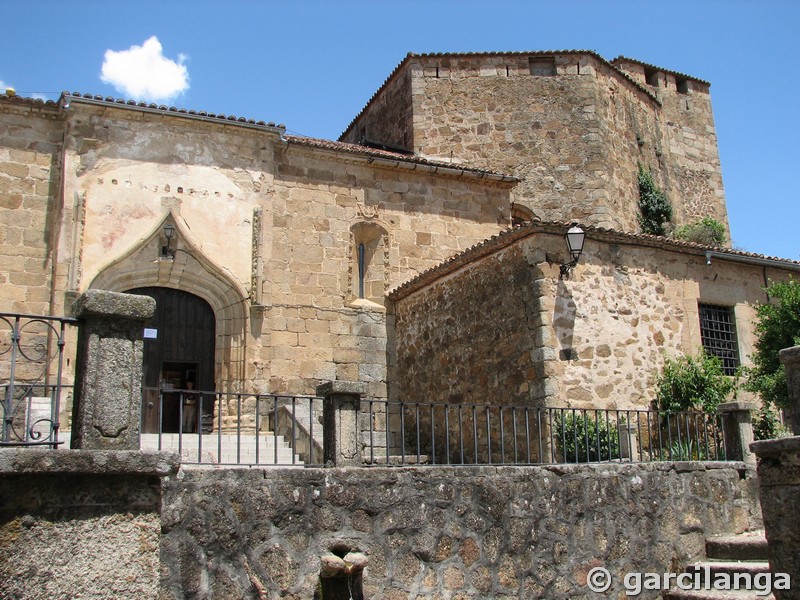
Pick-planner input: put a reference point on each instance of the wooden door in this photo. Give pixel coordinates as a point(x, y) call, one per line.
point(180, 346)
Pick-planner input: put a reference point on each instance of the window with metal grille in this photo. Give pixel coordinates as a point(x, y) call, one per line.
point(718, 332)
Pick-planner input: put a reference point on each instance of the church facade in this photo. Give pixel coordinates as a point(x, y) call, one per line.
point(281, 262)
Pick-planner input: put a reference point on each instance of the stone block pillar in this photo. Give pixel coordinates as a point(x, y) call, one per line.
point(629, 442)
point(108, 379)
point(738, 428)
point(790, 358)
point(779, 482)
point(340, 423)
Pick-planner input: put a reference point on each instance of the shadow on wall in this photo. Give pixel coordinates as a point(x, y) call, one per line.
point(564, 321)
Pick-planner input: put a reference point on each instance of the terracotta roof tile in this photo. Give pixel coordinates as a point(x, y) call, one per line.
point(35, 102)
point(657, 68)
point(510, 236)
point(409, 159)
point(67, 97)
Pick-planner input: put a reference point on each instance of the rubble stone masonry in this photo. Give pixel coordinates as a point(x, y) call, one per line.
point(574, 131)
point(458, 533)
point(516, 332)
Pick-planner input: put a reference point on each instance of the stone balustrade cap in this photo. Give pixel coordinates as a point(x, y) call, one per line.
point(789, 355)
point(114, 304)
point(356, 388)
point(30, 461)
point(727, 407)
point(776, 447)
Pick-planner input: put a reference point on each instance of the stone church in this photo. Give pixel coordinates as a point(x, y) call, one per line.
point(419, 254)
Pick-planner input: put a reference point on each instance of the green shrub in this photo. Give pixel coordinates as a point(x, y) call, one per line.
point(577, 437)
point(686, 450)
point(693, 383)
point(706, 231)
point(777, 327)
point(767, 425)
point(655, 210)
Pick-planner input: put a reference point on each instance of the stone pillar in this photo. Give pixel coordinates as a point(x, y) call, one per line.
point(779, 481)
point(629, 442)
point(738, 429)
point(790, 358)
point(340, 426)
point(108, 380)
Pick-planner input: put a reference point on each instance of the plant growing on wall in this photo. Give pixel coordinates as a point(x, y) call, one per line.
point(706, 231)
point(586, 437)
point(655, 210)
point(767, 425)
point(693, 383)
point(777, 327)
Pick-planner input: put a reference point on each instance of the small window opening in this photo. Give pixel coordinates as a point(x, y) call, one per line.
point(682, 85)
point(362, 269)
point(368, 262)
point(544, 66)
point(651, 77)
point(718, 334)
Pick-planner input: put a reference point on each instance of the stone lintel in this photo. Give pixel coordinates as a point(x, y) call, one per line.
point(789, 355)
point(114, 304)
point(728, 407)
point(788, 448)
point(30, 461)
point(335, 388)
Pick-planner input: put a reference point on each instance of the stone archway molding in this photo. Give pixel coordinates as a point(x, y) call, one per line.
point(190, 271)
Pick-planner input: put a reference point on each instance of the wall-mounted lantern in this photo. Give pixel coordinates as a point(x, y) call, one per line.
point(167, 251)
point(575, 237)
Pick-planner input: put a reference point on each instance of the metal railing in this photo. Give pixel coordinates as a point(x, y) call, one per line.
point(31, 368)
point(230, 428)
point(427, 433)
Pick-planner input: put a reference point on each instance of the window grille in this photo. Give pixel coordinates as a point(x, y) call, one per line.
point(718, 332)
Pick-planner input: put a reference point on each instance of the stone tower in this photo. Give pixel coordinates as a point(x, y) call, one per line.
point(572, 125)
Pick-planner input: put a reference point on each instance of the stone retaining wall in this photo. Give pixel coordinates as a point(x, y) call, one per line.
point(80, 524)
point(480, 532)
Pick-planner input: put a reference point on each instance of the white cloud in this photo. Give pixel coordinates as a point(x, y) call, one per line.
point(4, 86)
point(143, 72)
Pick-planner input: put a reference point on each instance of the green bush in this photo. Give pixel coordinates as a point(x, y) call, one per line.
point(693, 383)
point(577, 437)
point(767, 425)
point(777, 327)
point(655, 210)
point(686, 450)
point(706, 231)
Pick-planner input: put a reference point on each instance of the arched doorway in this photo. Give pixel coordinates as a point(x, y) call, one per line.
point(179, 349)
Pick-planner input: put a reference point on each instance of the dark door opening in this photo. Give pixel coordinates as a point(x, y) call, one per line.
point(179, 349)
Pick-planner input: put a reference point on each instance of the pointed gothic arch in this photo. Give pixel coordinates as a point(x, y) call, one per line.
point(188, 270)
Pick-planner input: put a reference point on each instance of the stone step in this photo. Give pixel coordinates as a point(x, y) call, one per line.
point(715, 595)
point(750, 546)
point(744, 553)
point(234, 449)
point(712, 567)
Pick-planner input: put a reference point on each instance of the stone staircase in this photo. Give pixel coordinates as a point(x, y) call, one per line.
point(225, 449)
point(743, 553)
point(235, 449)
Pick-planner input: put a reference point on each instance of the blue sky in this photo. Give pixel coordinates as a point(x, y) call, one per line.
point(313, 65)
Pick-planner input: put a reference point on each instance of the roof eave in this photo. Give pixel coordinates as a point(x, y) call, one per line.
point(68, 99)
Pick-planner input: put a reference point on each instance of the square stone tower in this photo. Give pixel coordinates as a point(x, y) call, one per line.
point(573, 126)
